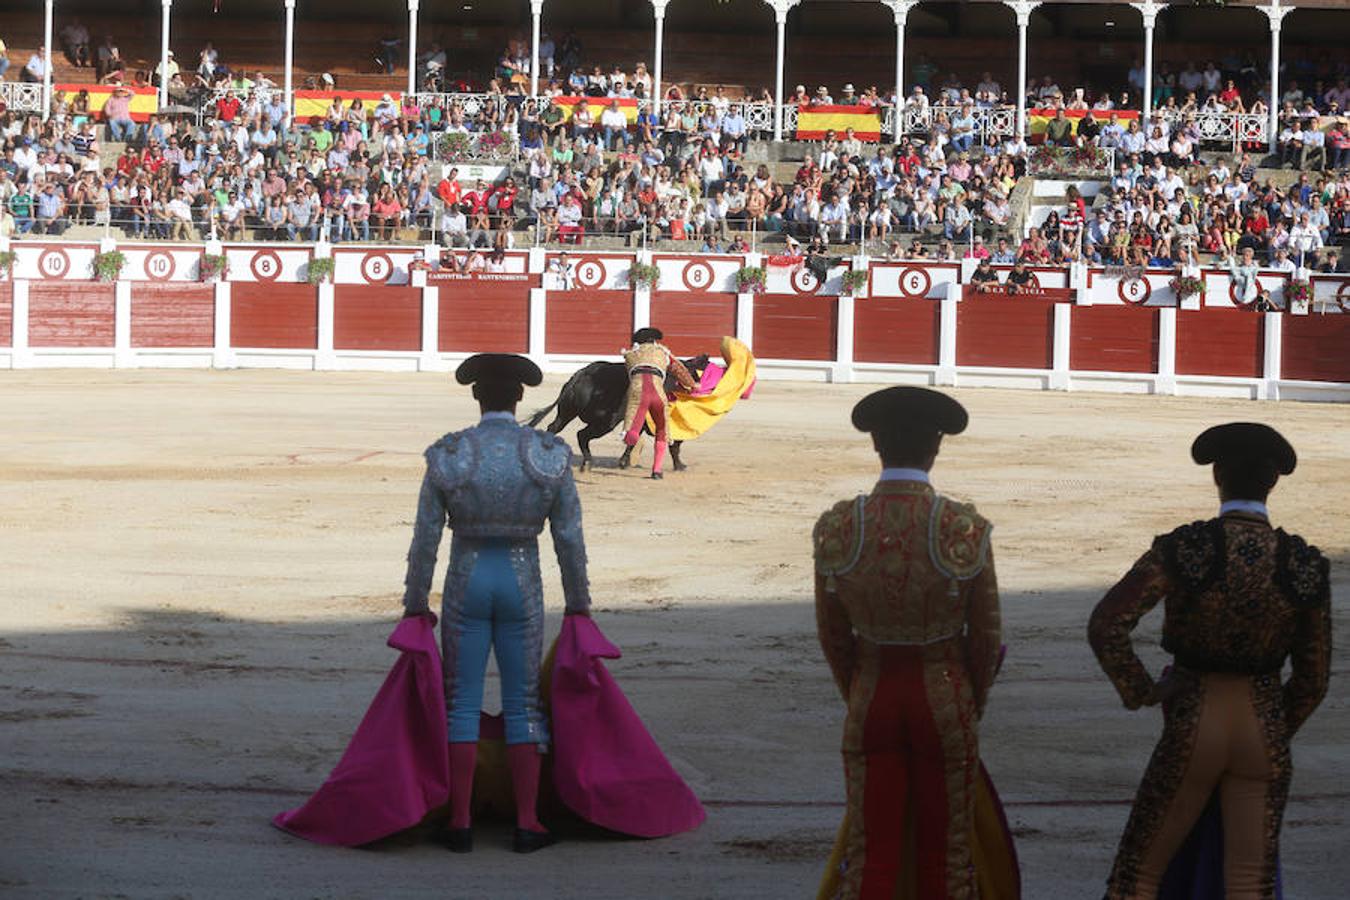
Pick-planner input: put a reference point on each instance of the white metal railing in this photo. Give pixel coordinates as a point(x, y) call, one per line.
point(992, 124)
point(1222, 127)
point(21, 96)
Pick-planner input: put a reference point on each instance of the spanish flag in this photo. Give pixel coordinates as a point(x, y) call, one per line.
point(312, 106)
point(1038, 119)
point(814, 121)
point(144, 100)
point(597, 105)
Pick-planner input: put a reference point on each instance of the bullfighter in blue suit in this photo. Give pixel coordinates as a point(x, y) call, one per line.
point(494, 485)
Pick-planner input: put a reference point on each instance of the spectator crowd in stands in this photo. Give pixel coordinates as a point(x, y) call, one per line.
point(366, 172)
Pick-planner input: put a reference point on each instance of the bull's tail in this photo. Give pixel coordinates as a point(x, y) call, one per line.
point(538, 415)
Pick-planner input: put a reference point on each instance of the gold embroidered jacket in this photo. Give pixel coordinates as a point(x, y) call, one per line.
point(905, 565)
point(1239, 596)
point(657, 356)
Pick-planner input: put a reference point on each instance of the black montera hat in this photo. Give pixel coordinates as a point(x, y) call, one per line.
point(1244, 441)
point(498, 367)
point(647, 335)
point(909, 407)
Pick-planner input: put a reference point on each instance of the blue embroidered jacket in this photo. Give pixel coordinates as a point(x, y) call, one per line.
point(498, 480)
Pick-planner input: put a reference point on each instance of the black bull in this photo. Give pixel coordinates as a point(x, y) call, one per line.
point(597, 395)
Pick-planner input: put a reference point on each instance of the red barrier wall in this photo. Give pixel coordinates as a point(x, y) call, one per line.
point(896, 331)
point(1218, 341)
point(377, 318)
point(1011, 332)
point(1113, 339)
point(484, 317)
point(694, 323)
point(588, 322)
point(6, 314)
point(274, 315)
point(1316, 348)
point(70, 314)
point(173, 315)
point(791, 327)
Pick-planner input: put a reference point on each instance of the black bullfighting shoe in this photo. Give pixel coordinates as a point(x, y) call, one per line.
point(527, 841)
point(457, 840)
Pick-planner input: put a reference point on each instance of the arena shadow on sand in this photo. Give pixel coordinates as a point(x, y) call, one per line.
point(147, 759)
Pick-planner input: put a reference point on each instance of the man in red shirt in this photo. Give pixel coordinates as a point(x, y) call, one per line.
point(505, 194)
point(449, 190)
point(227, 108)
point(1257, 223)
point(477, 199)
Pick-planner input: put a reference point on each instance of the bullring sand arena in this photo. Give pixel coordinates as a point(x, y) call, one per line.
point(201, 569)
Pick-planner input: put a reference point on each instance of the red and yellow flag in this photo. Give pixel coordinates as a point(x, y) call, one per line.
point(313, 105)
point(597, 105)
point(144, 101)
point(1038, 119)
point(814, 121)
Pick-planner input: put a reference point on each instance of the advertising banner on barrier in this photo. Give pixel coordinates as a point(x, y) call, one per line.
point(814, 121)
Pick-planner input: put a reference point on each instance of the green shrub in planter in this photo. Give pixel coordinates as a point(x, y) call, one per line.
point(7, 258)
point(213, 267)
point(107, 266)
point(855, 282)
point(643, 275)
point(750, 279)
point(319, 270)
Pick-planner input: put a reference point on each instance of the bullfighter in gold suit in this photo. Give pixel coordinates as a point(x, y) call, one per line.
point(908, 614)
point(648, 361)
point(1240, 597)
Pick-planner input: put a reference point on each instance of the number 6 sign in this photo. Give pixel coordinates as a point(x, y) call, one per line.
point(1134, 291)
point(915, 282)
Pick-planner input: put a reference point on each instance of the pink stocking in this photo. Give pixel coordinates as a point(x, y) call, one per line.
point(463, 758)
point(525, 761)
point(658, 455)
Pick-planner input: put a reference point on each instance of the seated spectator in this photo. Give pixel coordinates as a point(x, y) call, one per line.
point(1021, 280)
point(1059, 131)
point(614, 126)
point(4, 59)
point(75, 42)
point(1314, 145)
point(36, 67)
point(984, 278)
point(51, 211)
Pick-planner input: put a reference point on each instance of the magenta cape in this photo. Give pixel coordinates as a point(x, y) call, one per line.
point(396, 767)
point(606, 767)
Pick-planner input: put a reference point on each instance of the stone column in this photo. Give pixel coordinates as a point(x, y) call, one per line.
point(780, 11)
point(536, 20)
point(290, 53)
point(1276, 13)
point(1022, 8)
point(412, 45)
point(659, 10)
point(1149, 10)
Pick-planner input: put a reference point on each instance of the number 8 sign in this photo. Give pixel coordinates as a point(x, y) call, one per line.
point(266, 265)
point(376, 268)
point(590, 274)
point(698, 276)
